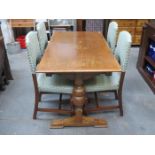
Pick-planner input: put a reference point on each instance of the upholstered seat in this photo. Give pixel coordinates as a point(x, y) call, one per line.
point(55, 83)
point(103, 83)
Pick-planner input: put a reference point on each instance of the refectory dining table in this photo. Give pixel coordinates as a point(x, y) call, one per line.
point(78, 56)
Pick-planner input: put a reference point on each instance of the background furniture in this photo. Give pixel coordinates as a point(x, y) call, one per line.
point(80, 25)
point(92, 24)
point(146, 62)
point(133, 26)
point(5, 72)
point(21, 26)
point(61, 25)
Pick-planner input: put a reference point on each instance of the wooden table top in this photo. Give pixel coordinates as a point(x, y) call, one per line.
point(78, 52)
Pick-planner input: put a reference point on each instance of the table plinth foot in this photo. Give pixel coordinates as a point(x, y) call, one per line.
point(72, 122)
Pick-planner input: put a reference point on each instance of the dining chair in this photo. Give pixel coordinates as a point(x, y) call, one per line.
point(44, 84)
point(42, 36)
point(43, 40)
point(113, 83)
point(112, 35)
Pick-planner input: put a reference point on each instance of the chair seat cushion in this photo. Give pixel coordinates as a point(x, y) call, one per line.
point(54, 84)
point(103, 82)
point(58, 84)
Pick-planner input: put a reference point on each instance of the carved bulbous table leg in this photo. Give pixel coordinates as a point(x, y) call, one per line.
point(79, 99)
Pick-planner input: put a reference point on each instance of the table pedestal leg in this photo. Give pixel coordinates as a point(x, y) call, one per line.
point(78, 99)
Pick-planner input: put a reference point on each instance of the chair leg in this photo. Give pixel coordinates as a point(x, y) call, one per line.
point(40, 97)
point(84, 110)
point(120, 103)
point(6, 81)
point(72, 108)
point(120, 93)
point(60, 101)
point(116, 94)
point(37, 99)
point(96, 99)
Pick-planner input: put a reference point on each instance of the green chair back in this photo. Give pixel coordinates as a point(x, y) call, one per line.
point(122, 50)
point(34, 52)
point(42, 36)
point(111, 35)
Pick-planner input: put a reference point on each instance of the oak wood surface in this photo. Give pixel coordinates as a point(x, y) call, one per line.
point(133, 26)
point(77, 52)
point(17, 23)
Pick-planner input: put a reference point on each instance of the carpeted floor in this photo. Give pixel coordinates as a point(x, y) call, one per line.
point(16, 105)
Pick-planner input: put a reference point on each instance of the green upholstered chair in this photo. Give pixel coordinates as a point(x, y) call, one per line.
point(42, 36)
point(44, 84)
point(112, 34)
point(113, 83)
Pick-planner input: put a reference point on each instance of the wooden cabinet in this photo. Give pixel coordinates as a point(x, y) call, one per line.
point(146, 58)
point(138, 31)
point(1, 56)
point(22, 22)
point(5, 73)
point(81, 24)
point(21, 26)
point(133, 26)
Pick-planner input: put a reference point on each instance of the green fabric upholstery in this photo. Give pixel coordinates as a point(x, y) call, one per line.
point(42, 36)
point(111, 35)
point(54, 83)
point(51, 84)
point(33, 48)
point(122, 50)
point(103, 82)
